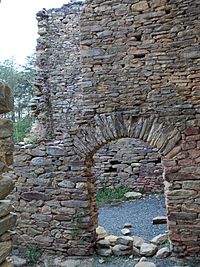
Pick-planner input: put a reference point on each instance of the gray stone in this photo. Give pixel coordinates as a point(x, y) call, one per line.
point(160, 239)
point(55, 151)
point(148, 249)
point(40, 161)
point(137, 241)
point(125, 240)
point(163, 253)
point(66, 184)
point(103, 243)
point(121, 250)
point(19, 262)
point(104, 252)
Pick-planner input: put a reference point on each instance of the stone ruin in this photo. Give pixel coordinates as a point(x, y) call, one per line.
point(7, 217)
point(108, 70)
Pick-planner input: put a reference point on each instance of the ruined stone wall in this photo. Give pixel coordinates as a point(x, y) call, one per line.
point(128, 163)
point(7, 217)
point(135, 74)
point(57, 83)
point(140, 60)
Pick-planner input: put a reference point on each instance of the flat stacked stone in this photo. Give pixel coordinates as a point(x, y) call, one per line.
point(7, 217)
point(128, 163)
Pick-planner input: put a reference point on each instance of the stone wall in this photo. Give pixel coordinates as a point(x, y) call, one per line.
point(107, 71)
point(128, 163)
point(7, 217)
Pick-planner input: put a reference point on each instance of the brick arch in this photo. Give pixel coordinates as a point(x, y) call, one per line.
point(108, 127)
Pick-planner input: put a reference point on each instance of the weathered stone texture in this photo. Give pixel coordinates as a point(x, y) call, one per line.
point(127, 163)
point(7, 218)
point(111, 70)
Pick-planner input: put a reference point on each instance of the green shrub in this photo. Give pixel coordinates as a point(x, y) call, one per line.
point(106, 195)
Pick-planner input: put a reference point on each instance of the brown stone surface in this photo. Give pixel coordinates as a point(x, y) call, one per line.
point(6, 186)
point(5, 208)
point(5, 250)
point(7, 223)
point(6, 127)
point(7, 220)
point(7, 263)
point(6, 98)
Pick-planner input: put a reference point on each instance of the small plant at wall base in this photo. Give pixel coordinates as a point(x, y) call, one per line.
point(32, 254)
point(106, 195)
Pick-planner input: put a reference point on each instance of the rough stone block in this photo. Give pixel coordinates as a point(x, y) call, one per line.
point(6, 98)
point(5, 250)
point(7, 223)
point(5, 208)
point(6, 128)
point(6, 186)
point(140, 6)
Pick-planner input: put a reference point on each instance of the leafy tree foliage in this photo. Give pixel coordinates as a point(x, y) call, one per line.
point(20, 79)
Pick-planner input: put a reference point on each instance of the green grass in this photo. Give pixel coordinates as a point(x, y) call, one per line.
point(107, 196)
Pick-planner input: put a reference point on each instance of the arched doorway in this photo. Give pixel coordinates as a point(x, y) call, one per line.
point(165, 138)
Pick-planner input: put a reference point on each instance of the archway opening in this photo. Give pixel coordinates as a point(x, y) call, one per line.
point(129, 195)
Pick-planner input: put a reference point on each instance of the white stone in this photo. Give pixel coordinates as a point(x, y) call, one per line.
point(18, 262)
point(101, 232)
point(145, 264)
point(163, 253)
point(160, 239)
point(148, 249)
point(112, 239)
point(137, 241)
point(125, 231)
point(133, 195)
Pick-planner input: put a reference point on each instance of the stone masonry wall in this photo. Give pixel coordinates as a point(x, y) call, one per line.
point(57, 83)
point(7, 217)
point(110, 70)
point(128, 163)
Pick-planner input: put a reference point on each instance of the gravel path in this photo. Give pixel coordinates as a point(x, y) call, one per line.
point(140, 214)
